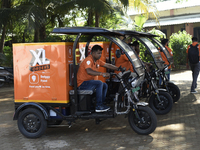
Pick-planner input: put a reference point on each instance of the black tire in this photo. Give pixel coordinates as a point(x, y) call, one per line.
point(166, 103)
point(149, 118)
point(174, 91)
point(31, 123)
point(54, 122)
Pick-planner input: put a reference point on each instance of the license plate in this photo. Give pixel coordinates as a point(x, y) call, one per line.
point(135, 89)
point(166, 72)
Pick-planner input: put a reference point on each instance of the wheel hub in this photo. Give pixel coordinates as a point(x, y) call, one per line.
point(31, 123)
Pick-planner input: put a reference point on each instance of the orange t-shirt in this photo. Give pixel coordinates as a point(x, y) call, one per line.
point(123, 61)
point(165, 58)
point(88, 62)
point(193, 44)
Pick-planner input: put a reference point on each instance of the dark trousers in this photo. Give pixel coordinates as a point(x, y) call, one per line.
point(195, 73)
point(101, 89)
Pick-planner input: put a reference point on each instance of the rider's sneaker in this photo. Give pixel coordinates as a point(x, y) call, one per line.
point(102, 108)
point(193, 91)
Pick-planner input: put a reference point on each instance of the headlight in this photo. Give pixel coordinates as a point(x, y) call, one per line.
point(134, 83)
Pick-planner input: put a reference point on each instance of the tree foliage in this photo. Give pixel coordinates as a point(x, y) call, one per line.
point(179, 43)
point(33, 20)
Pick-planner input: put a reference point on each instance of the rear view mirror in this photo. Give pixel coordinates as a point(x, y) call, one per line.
point(118, 53)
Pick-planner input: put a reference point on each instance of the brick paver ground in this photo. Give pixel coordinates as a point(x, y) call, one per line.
point(177, 130)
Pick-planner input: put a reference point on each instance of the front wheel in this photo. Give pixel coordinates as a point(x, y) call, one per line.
point(142, 120)
point(174, 91)
point(162, 106)
point(31, 123)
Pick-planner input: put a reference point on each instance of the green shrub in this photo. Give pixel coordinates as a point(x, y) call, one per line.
point(6, 59)
point(179, 43)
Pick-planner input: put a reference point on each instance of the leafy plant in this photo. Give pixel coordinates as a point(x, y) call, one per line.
point(7, 57)
point(160, 34)
point(179, 43)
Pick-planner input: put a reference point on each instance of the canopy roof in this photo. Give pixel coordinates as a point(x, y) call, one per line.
point(85, 30)
point(136, 33)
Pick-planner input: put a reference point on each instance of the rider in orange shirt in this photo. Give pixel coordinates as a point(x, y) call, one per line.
point(136, 47)
point(124, 62)
point(165, 43)
point(86, 76)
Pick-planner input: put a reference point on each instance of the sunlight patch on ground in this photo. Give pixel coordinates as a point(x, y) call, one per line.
point(184, 75)
point(115, 128)
point(55, 144)
point(5, 125)
point(121, 148)
point(6, 99)
point(172, 127)
point(197, 102)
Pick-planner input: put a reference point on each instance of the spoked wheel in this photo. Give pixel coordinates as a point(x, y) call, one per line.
point(31, 123)
point(174, 91)
point(164, 105)
point(146, 121)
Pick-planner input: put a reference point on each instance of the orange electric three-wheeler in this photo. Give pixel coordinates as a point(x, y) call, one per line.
point(45, 83)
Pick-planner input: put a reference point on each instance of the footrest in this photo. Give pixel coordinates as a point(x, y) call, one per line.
point(82, 92)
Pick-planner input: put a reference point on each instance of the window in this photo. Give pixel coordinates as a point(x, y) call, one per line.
point(182, 29)
point(164, 31)
point(197, 33)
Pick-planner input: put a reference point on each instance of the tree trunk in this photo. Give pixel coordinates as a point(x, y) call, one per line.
point(24, 36)
point(36, 35)
point(97, 19)
point(90, 18)
point(42, 33)
point(2, 39)
point(60, 22)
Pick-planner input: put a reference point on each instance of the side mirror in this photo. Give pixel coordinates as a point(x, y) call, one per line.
point(118, 53)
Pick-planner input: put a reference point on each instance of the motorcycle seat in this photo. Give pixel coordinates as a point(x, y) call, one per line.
point(9, 69)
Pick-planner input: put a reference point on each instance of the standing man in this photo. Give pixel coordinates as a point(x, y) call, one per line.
point(193, 54)
point(86, 74)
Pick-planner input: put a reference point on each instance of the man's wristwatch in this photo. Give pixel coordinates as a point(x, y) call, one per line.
point(104, 75)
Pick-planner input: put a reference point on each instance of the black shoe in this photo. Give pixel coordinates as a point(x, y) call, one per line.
point(102, 108)
point(193, 91)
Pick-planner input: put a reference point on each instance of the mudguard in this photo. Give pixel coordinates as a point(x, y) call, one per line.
point(170, 82)
point(160, 89)
point(142, 104)
point(36, 105)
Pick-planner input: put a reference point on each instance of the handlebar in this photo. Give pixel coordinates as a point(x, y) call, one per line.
point(122, 69)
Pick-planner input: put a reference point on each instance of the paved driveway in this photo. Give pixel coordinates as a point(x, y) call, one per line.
point(178, 130)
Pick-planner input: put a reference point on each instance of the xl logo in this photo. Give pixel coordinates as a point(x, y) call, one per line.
point(38, 57)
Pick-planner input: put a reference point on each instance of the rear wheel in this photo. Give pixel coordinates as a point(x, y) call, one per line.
point(31, 123)
point(146, 123)
point(164, 105)
point(174, 91)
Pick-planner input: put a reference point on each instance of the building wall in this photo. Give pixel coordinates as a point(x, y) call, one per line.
point(177, 12)
point(191, 28)
point(188, 10)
